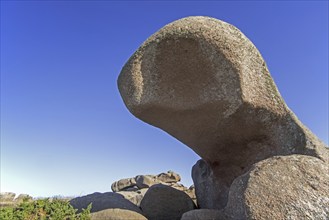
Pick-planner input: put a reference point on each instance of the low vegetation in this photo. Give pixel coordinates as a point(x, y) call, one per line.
point(42, 209)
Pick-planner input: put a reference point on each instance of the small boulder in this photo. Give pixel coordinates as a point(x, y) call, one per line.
point(146, 181)
point(169, 177)
point(117, 214)
point(163, 202)
point(281, 187)
point(101, 201)
point(123, 184)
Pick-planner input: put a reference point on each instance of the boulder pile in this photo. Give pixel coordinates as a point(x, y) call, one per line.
point(204, 82)
point(135, 188)
point(141, 197)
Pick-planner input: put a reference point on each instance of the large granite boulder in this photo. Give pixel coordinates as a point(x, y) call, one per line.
point(102, 201)
point(281, 187)
point(205, 83)
point(163, 202)
point(116, 214)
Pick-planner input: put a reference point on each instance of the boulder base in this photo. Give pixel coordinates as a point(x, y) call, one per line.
point(282, 187)
point(205, 83)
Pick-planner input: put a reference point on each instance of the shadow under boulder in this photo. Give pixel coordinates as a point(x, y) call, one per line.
point(102, 201)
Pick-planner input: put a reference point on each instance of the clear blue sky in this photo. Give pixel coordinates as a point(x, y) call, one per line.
point(64, 127)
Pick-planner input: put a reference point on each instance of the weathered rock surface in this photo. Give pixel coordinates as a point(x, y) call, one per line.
point(134, 189)
point(205, 83)
point(169, 177)
point(123, 184)
point(282, 187)
point(204, 214)
point(163, 202)
point(134, 196)
point(145, 181)
point(116, 214)
point(209, 190)
point(102, 201)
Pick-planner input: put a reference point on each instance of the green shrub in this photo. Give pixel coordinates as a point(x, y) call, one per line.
point(43, 209)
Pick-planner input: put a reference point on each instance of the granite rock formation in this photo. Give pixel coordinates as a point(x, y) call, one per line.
point(145, 181)
point(205, 83)
point(152, 196)
point(134, 189)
